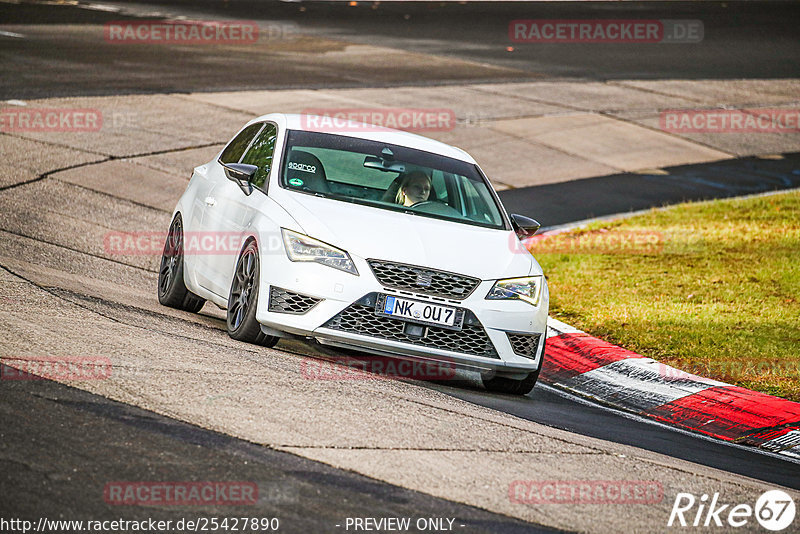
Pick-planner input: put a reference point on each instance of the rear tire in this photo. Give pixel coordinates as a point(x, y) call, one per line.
point(243, 300)
point(172, 291)
point(500, 384)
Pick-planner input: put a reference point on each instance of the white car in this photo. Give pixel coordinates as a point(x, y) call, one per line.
point(364, 238)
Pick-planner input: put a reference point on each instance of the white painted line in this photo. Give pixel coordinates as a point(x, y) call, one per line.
point(100, 7)
point(638, 383)
point(789, 443)
point(12, 34)
point(556, 327)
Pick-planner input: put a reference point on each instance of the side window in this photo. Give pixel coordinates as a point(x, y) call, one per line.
point(261, 153)
point(233, 152)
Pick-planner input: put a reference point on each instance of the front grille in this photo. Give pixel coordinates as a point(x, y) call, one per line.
point(285, 301)
point(524, 344)
point(423, 280)
point(360, 318)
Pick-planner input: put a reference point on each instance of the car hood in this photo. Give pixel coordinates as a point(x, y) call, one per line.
point(374, 233)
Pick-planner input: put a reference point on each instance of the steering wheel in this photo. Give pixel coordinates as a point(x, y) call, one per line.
point(436, 207)
point(423, 202)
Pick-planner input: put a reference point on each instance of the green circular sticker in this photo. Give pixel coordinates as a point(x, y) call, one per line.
point(297, 182)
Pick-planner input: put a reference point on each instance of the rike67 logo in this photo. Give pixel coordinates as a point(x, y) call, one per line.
point(774, 510)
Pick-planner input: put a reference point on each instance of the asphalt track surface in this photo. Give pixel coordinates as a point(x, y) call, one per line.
point(71, 440)
point(741, 40)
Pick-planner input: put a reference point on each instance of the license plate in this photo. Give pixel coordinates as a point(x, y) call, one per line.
point(420, 312)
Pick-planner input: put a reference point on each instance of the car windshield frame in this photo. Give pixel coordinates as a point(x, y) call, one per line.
point(466, 170)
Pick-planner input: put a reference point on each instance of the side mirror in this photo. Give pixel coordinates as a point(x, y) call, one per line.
point(524, 226)
point(240, 173)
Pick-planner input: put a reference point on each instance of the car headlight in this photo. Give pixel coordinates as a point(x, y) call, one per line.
point(528, 289)
point(300, 247)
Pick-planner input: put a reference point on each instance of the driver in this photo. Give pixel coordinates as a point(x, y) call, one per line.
point(414, 188)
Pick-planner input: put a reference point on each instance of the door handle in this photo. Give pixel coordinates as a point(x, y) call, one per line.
point(211, 201)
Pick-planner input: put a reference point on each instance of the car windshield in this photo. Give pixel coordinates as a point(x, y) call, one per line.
point(389, 177)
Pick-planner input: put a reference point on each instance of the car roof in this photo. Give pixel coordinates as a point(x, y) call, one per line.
point(360, 130)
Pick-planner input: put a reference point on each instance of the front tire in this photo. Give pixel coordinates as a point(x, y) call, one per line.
point(243, 300)
point(500, 384)
point(172, 291)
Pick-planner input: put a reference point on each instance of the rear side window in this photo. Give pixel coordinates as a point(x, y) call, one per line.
point(261, 153)
point(233, 152)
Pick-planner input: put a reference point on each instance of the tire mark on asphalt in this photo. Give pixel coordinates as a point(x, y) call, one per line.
point(106, 159)
point(65, 247)
point(110, 195)
point(65, 294)
point(56, 292)
point(53, 143)
point(53, 291)
point(48, 173)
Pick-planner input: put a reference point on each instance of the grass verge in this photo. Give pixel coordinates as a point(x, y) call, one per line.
point(711, 288)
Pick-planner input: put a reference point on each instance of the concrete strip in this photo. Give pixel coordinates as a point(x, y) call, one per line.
point(258, 103)
point(79, 219)
point(179, 163)
point(715, 93)
point(511, 161)
point(554, 143)
point(531, 121)
point(470, 105)
point(740, 144)
point(608, 141)
point(587, 96)
point(141, 124)
point(126, 179)
point(26, 159)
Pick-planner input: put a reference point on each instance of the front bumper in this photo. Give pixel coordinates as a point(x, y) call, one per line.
point(337, 308)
